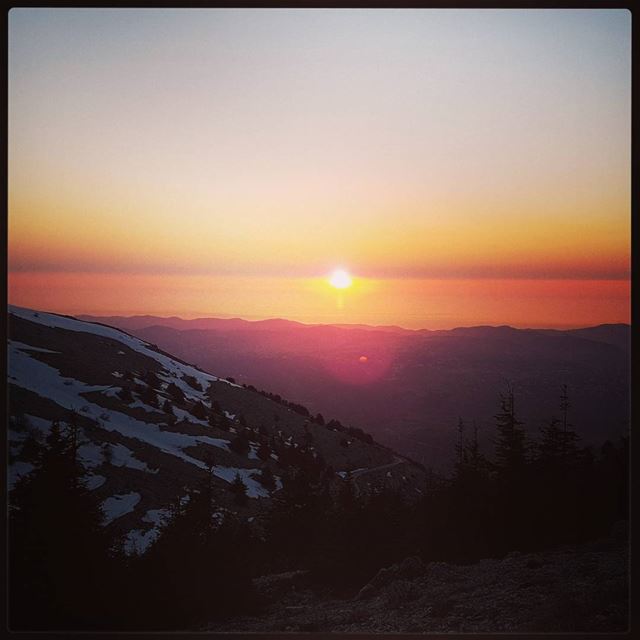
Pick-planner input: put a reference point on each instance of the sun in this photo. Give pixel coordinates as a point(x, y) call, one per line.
point(340, 279)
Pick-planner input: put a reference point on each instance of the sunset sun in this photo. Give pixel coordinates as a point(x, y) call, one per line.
point(340, 279)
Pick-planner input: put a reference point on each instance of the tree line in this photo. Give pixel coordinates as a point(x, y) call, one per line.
point(68, 571)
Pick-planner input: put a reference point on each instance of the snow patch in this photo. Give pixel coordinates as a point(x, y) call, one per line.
point(254, 488)
point(181, 414)
point(138, 541)
point(28, 347)
point(94, 482)
point(112, 392)
point(176, 369)
point(90, 455)
point(40, 424)
point(156, 516)
point(252, 455)
point(141, 405)
point(122, 456)
point(117, 506)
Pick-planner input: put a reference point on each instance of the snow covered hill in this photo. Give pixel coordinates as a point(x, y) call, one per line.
point(152, 425)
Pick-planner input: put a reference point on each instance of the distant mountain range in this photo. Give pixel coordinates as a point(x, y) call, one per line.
point(409, 388)
point(151, 425)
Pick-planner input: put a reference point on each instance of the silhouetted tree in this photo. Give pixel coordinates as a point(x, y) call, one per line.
point(510, 444)
point(107, 453)
point(148, 396)
point(176, 394)
point(224, 423)
point(240, 444)
point(152, 380)
point(61, 558)
point(192, 382)
point(125, 395)
point(263, 451)
point(199, 411)
point(267, 479)
point(205, 584)
point(239, 491)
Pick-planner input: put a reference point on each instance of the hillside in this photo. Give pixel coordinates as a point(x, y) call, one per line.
point(151, 424)
point(408, 388)
point(577, 588)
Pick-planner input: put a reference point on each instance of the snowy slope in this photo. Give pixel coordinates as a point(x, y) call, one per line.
point(141, 458)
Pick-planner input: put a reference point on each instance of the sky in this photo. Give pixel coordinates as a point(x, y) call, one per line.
point(465, 166)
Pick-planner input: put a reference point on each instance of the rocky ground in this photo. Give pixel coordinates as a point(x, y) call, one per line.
point(573, 588)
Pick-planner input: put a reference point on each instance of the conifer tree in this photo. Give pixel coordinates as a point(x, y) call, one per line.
point(61, 557)
point(239, 491)
point(167, 407)
point(511, 440)
point(152, 380)
point(558, 446)
point(148, 396)
point(240, 444)
point(263, 451)
point(125, 395)
point(267, 479)
point(198, 410)
point(176, 394)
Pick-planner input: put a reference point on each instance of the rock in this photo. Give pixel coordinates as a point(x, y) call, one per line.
point(274, 586)
point(409, 568)
point(399, 592)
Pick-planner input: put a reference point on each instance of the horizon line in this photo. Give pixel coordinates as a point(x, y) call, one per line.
point(98, 317)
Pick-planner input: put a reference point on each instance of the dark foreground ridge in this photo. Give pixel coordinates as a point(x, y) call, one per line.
point(577, 588)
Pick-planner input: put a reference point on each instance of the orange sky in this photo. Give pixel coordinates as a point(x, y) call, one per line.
point(468, 167)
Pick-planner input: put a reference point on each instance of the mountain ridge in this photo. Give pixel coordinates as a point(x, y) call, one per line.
point(152, 424)
point(148, 320)
point(409, 388)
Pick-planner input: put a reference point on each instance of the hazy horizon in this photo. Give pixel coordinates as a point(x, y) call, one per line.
point(226, 316)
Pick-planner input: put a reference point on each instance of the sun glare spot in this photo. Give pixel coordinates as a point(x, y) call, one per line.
point(340, 279)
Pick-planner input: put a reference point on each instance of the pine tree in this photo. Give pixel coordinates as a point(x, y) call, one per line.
point(61, 557)
point(125, 395)
point(148, 396)
point(224, 423)
point(511, 441)
point(152, 380)
point(205, 583)
point(107, 453)
point(263, 451)
point(192, 382)
point(176, 394)
point(240, 444)
point(267, 479)
point(199, 411)
point(239, 491)
point(558, 446)
point(460, 450)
